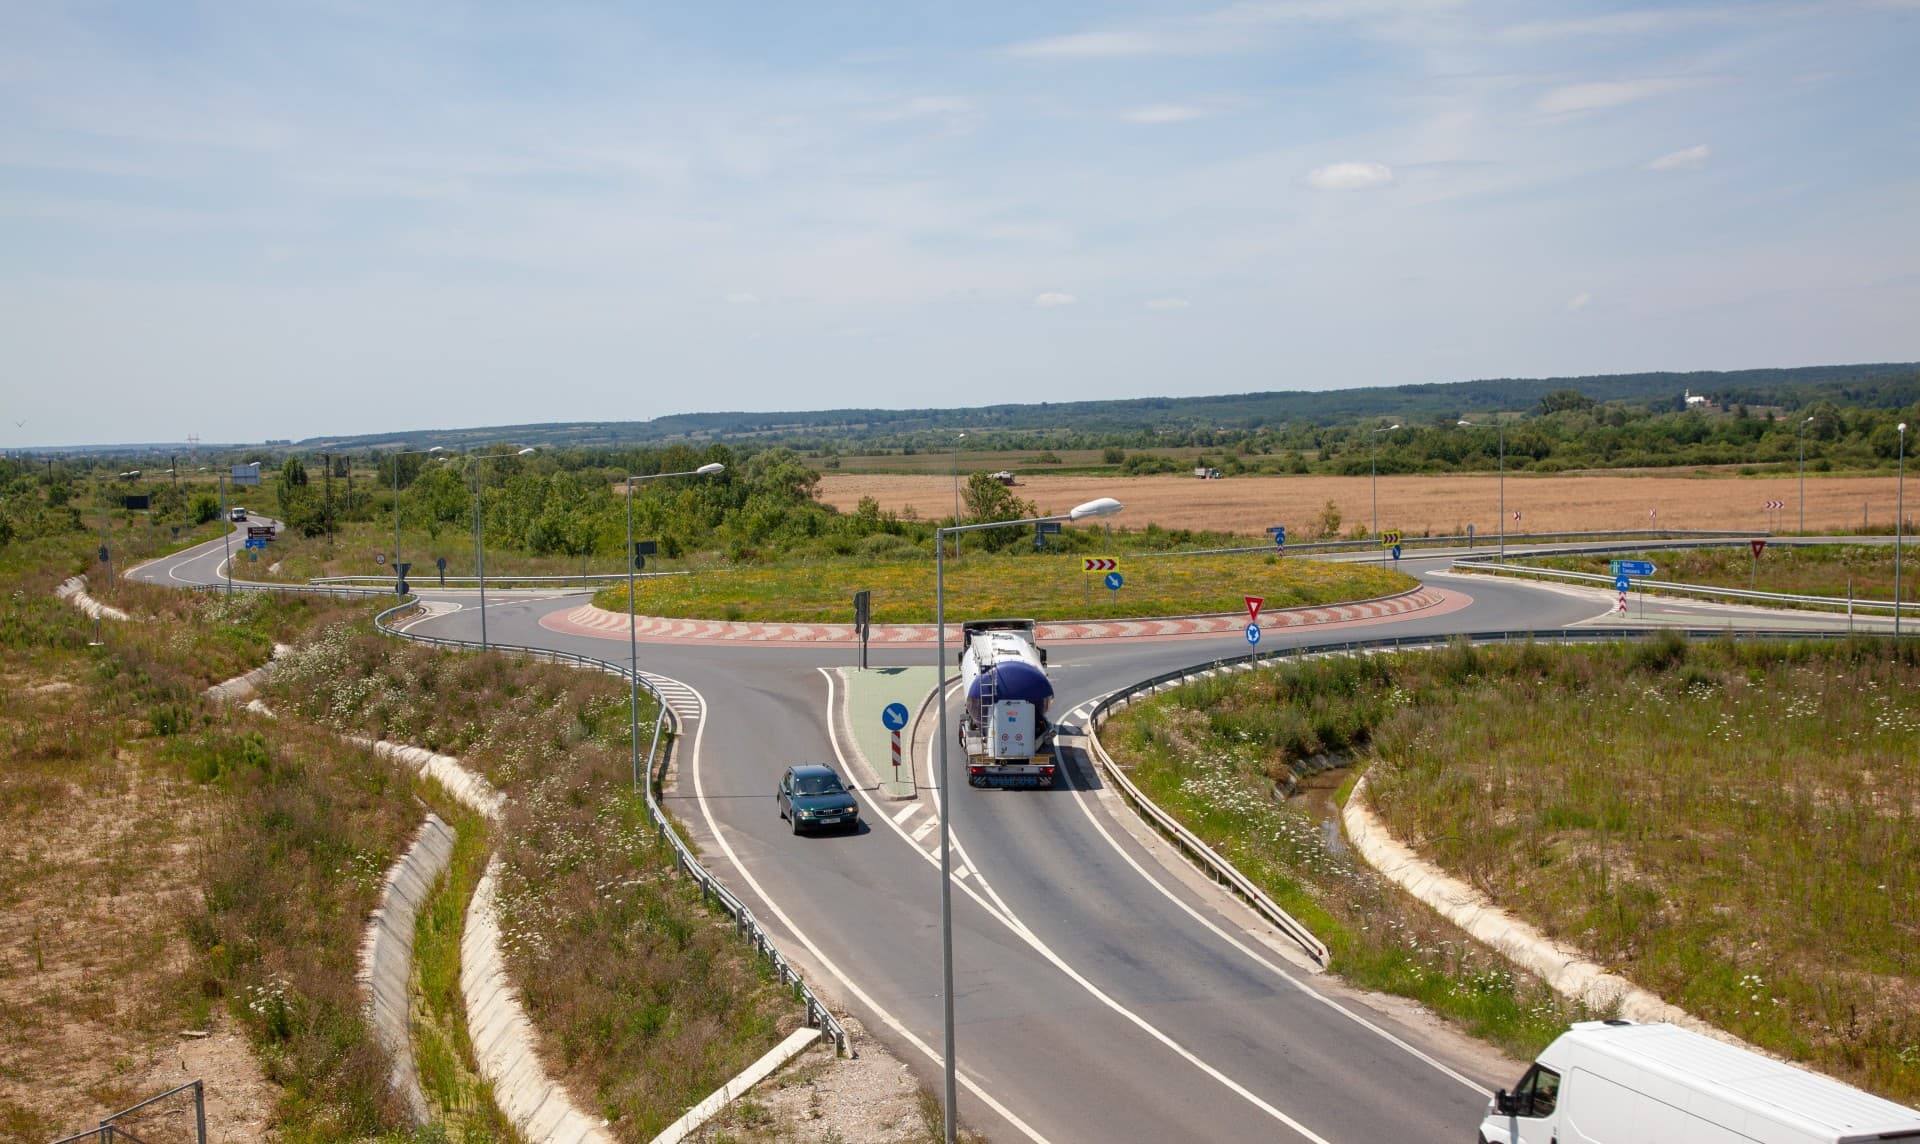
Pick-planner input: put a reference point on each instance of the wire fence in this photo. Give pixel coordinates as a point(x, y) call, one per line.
point(178, 1114)
point(711, 889)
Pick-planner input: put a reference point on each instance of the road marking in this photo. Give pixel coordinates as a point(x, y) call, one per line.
point(827, 963)
point(925, 829)
point(1007, 918)
point(907, 812)
point(1083, 798)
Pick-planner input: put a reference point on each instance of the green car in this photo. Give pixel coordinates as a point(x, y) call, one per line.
point(812, 797)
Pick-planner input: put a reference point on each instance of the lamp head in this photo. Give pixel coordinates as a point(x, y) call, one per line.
point(1105, 506)
point(436, 449)
point(528, 452)
point(709, 469)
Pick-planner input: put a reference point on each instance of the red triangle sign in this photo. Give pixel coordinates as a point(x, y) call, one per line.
point(1758, 547)
point(1253, 606)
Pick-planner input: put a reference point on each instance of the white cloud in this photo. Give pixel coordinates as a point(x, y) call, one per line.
point(743, 299)
point(1053, 301)
point(1686, 159)
point(1579, 301)
point(1163, 113)
point(1633, 22)
point(1349, 176)
point(1578, 97)
point(1095, 45)
point(1168, 304)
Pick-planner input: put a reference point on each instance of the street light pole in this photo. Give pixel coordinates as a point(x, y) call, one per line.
point(226, 536)
point(1373, 449)
point(1803, 473)
point(633, 631)
point(1899, 524)
point(479, 533)
point(1105, 506)
point(396, 504)
point(956, 488)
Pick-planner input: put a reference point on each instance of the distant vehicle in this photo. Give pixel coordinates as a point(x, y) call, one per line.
point(1206, 474)
point(1005, 731)
point(1004, 476)
point(813, 796)
point(237, 515)
point(1615, 1082)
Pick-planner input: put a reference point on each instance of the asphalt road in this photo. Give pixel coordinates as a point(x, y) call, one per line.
point(1102, 991)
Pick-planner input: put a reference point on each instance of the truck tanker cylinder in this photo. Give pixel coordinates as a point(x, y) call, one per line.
point(1012, 679)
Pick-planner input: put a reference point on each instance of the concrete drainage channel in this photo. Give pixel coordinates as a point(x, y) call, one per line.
point(502, 1036)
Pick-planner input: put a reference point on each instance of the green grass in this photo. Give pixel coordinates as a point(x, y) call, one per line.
point(976, 585)
point(1732, 827)
point(644, 999)
point(462, 1102)
point(1794, 569)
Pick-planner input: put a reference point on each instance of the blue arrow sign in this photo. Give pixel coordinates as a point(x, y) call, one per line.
point(1396, 552)
point(1279, 534)
point(1253, 634)
point(895, 716)
point(1621, 583)
point(1114, 581)
point(1633, 567)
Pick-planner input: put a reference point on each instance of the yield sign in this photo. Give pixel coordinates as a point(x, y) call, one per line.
point(1758, 547)
point(1253, 607)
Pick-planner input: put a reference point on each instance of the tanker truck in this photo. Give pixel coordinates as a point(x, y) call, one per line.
point(1004, 730)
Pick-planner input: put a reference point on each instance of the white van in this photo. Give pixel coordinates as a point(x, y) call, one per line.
point(1615, 1082)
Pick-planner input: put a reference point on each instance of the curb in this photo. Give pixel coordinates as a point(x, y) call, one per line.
point(503, 1037)
point(74, 590)
point(1566, 970)
point(386, 955)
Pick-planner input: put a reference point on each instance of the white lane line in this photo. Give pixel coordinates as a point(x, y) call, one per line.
point(925, 829)
point(1007, 918)
point(827, 963)
point(1083, 800)
point(907, 812)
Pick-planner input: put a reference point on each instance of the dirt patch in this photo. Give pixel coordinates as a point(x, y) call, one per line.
point(821, 1099)
point(98, 866)
point(1420, 504)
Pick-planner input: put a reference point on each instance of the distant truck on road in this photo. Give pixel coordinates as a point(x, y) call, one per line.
point(1207, 474)
point(1005, 731)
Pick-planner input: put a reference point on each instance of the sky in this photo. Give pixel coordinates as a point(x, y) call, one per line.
point(265, 219)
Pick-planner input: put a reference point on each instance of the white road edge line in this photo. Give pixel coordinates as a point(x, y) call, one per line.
point(1011, 921)
point(892, 1022)
point(1081, 799)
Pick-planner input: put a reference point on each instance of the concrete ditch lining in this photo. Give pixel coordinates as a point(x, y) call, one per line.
point(74, 590)
point(386, 955)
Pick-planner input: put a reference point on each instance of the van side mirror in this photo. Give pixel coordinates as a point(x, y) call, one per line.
point(1505, 1104)
point(1043, 657)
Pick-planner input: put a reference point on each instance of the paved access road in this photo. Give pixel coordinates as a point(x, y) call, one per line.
point(1103, 991)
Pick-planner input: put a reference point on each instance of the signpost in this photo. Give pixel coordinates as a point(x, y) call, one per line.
point(1114, 581)
point(894, 718)
point(1253, 635)
point(643, 549)
point(1099, 564)
point(246, 474)
point(1279, 534)
point(400, 569)
point(1253, 607)
point(1758, 546)
point(441, 564)
point(1041, 531)
point(1623, 571)
point(1390, 538)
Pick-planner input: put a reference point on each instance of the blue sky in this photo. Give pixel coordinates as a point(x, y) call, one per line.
point(264, 219)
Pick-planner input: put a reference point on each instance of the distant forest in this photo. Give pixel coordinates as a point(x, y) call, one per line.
point(1203, 422)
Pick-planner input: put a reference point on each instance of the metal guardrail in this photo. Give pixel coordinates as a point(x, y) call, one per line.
point(492, 578)
point(1488, 540)
point(1225, 871)
point(1501, 568)
point(711, 889)
point(110, 1130)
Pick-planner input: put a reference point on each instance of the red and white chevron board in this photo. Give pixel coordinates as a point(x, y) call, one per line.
point(1776, 504)
point(1098, 564)
point(591, 621)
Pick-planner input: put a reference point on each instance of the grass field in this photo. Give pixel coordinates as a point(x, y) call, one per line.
point(977, 585)
point(1804, 570)
point(1732, 827)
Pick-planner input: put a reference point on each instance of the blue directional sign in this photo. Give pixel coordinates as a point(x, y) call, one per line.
point(1621, 583)
point(1114, 581)
point(1396, 552)
point(1253, 634)
point(1633, 567)
point(1279, 534)
point(895, 716)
